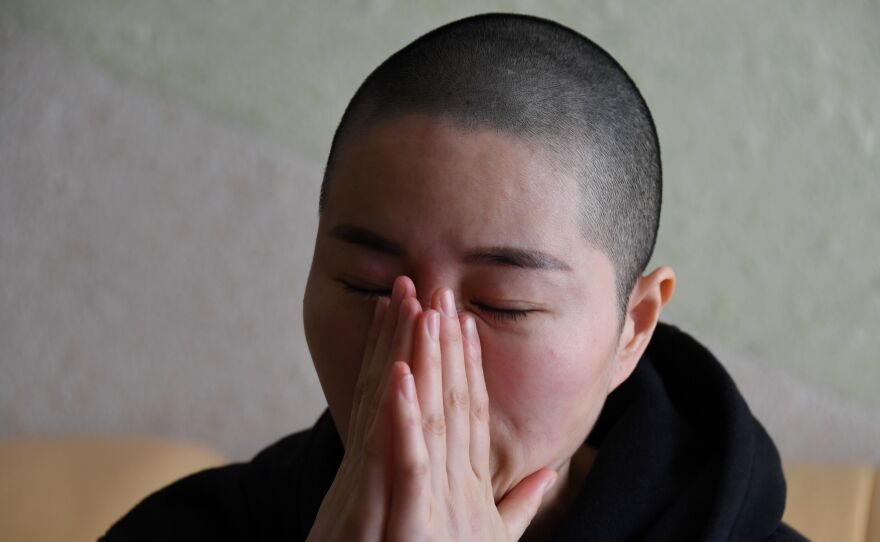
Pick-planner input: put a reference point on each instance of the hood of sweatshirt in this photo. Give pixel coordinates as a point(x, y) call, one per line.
point(680, 456)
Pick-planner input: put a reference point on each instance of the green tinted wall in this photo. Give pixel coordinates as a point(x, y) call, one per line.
point(768, 113)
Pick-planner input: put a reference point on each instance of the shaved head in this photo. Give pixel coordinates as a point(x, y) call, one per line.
point(547, 84)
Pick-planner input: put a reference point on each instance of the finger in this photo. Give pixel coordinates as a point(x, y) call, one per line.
point(412, 479)
point(401, 344)
point(378, 448)
point(372, 336)
point(403, 289)
point(456, 407)
point(479, 397)
point(426, 369)
point(520, 505)
point(375, 367)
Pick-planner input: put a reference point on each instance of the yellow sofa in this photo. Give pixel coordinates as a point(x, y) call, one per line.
point(73, 489)
point(833, 502)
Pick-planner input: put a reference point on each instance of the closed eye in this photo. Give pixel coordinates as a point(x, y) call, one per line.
point(503, 314)
point(492, 312)
point(365, 292)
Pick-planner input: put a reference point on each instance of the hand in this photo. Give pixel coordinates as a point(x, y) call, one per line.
point(442, 487)
point(356, 506)
point(416, 464)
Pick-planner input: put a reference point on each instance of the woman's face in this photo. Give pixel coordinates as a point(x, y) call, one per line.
point(417, 196)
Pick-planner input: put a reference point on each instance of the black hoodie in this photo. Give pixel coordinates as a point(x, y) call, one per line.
point(680, 458)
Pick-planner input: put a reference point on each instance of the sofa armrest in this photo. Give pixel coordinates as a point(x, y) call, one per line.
point(873, 534)
point(75, 488)
point(831, 502)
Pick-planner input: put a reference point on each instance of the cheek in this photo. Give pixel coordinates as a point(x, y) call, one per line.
point(335, 329)
point(545, 388)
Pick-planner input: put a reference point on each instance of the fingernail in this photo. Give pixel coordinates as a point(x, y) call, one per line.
point(402, 313)
point(550, 483)
point(434, 325)
point(447, 303)
point(381, 307)
point(377, 310)
point(409, 387)
point(397, 291)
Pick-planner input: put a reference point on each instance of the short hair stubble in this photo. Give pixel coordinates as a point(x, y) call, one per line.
point(535, 79)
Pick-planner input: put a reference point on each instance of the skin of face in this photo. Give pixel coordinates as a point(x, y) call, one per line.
point(439, 192)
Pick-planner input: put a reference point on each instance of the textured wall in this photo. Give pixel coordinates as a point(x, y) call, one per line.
point(159, 164)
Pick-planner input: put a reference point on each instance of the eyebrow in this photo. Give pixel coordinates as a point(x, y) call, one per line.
point(496, 255)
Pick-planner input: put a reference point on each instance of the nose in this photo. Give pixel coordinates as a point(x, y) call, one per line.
point(424, 296)
point(427, 286)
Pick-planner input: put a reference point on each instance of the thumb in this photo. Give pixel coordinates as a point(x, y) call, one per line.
point(519, 506)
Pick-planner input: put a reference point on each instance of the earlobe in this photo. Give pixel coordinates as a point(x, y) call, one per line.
point(650, 294)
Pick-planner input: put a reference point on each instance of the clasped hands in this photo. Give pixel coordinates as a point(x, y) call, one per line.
point(416, 464)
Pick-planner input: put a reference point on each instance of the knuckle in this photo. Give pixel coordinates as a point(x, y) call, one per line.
point(411, 422)
point(452, 510)
point(417, 471)
point(435, 425)
point(476, 521)
point(457, 399)
point(480, 409)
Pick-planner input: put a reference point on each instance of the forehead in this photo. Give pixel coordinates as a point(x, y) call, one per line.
point(420, 172)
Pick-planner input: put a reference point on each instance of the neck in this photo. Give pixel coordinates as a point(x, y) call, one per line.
point(558, 500)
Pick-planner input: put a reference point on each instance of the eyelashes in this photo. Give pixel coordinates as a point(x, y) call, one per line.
point(502, 314)
point(498, 314)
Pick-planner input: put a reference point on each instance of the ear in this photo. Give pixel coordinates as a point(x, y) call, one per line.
point(649, 295)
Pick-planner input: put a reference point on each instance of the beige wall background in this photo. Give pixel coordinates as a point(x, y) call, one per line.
point(159, 172)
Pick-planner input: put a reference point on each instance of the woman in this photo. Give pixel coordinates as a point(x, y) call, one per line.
point(478, 316)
